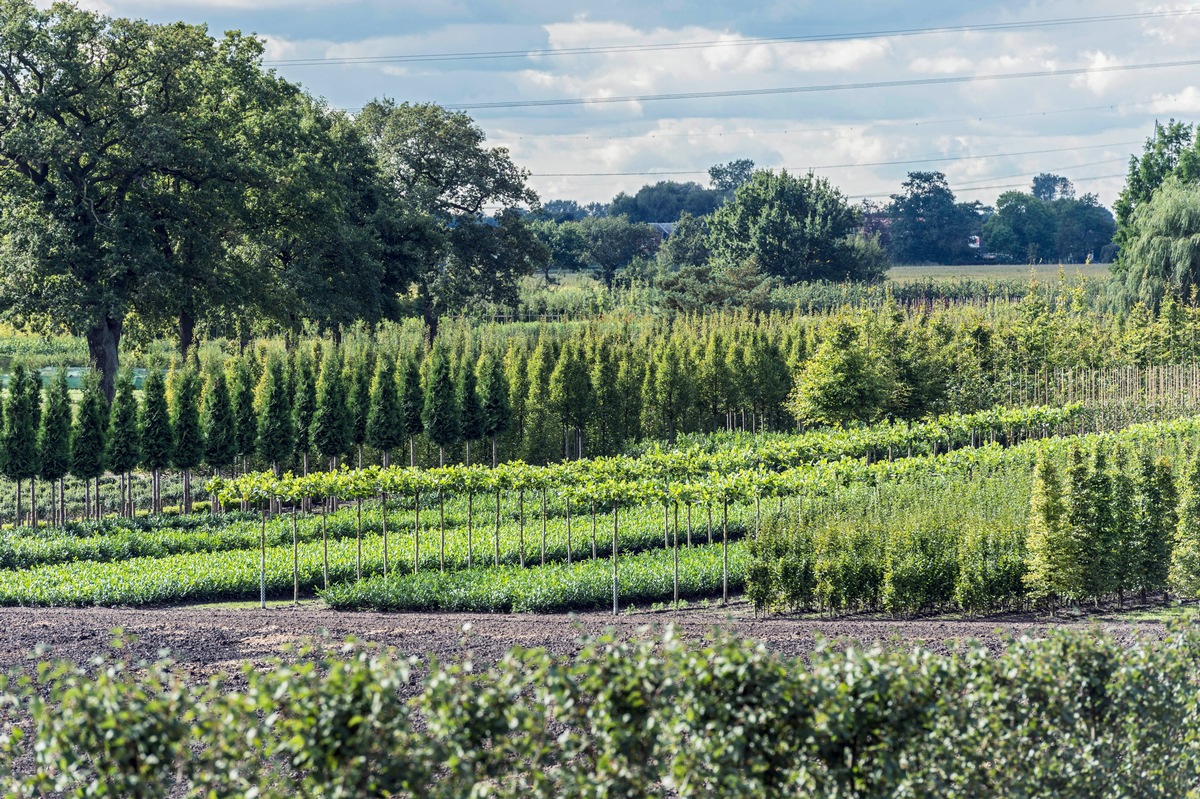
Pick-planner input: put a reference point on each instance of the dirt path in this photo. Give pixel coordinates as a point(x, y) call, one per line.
point(208, 639)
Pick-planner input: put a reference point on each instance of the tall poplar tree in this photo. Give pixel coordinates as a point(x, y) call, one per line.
point(188, 452)
point(1185, 558)
point(1157, 517)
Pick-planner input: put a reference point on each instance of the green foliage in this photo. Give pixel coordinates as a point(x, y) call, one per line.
point(1161, 255)
point(274, 409)
point(797, 229)
point(1052, 560)
point(495, 411)
point(359, 372)
point(928, 226)
point(412, 401)
point(158, 439)
point(467, 397)
point(586, 585)
point(245, 419)
point(441, 414)
point(90, 430)
point(1185, 558)
point(385, 419)
point(124, 431)
point(218, 422)
point(1170, 151)
point(332, 432)
point(303, 381)
point(20, 424)
point(1022, 230)
point(844, 382)
point(1157, 517)
point(188, 450)
point(54, 437)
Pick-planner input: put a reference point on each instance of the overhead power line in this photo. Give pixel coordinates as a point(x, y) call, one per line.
point(711, 43)
point(828, 87)
point(904, 162)
point(896, 123)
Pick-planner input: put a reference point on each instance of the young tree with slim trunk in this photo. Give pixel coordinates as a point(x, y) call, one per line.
point(467, 395)
point(541, 438)
point(87, 438)
point(441, 414)
point(385, 418)
point(158, 440)
point(21, 413)
point(332, 425)
point(496, 414)
point(54, 442)
point(274, 410)
point(185, 424)
point(124, 439)
point(412, 404)
point(358, 375)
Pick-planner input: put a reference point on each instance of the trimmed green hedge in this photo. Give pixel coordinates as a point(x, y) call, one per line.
point(1074, 715)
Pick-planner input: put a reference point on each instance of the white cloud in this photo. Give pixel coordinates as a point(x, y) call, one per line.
point(1184, 102)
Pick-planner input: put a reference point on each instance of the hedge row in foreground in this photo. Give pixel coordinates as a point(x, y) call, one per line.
point(1074, 715)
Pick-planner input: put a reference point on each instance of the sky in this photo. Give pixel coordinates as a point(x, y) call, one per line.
point(987, 136)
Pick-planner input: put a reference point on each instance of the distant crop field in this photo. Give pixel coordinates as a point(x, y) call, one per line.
point(1043, 272)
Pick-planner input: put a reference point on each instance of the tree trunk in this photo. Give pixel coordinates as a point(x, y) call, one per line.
point(17, 517)
point(104, 341)
point(33, 515)
point(187, 334)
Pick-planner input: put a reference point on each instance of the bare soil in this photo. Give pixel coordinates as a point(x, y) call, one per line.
point(208, 639)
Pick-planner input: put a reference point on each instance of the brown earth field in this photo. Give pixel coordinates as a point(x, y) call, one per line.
point(210, 639)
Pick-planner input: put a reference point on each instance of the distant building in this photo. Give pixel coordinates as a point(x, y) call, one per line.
point(664, 229)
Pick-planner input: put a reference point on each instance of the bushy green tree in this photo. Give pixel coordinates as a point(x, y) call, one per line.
point(440, 413)
point(359, 372)
point(541, 439)
point(158, 439)
point(304, 406)
point(20, 429)
point(1096, 534)
point(385, 418)
point(570, 396)
point(332, 424)
point(125, 437)
point(87, 436)
point(467, 396)
point(1185, 557)
point(1161, 254)
point(412, 405)
point(796, 228)
point(274, 409)
point(188, 452)
point(1157, 509)
point(1052, 566)
point(218, 422)
point(495, 411)
point(845, 381)
point(245, 419)
point(54, 439)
